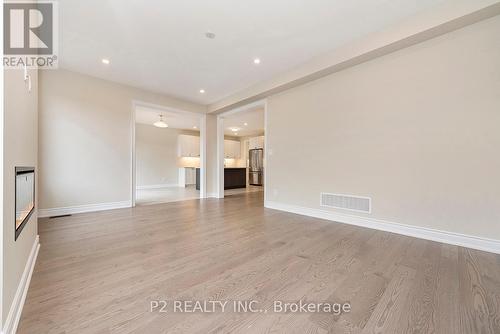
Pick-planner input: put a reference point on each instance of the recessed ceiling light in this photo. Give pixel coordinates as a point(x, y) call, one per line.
point(195, 127)
point(105, 61)
point(245, 124)
point(209, 35)
point(234, 129)
point(202, 91)
point(256, 61)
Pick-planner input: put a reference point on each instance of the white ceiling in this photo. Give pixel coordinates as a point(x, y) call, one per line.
point(254, 119)
point(147, 115)
point(160, 45)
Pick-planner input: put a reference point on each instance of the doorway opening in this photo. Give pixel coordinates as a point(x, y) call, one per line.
point(168, 155)
point(241, 150)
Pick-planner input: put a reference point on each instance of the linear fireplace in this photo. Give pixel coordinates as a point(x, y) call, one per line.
point(25, 197)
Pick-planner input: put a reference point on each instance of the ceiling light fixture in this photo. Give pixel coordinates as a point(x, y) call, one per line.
point(105, 61)
point(256, 61)
point(245, 124)
point(202, 91)
point(195, 127)
point(234, 129)
point(161, 123)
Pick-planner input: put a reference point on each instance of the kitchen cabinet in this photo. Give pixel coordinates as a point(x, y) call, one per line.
point(233, 178)
point(188, 146)
point(232, 149)
point(256, 142)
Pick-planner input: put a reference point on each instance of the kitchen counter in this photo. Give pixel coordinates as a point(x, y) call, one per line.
point(234, 177)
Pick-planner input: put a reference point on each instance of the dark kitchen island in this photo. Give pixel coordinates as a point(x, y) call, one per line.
point(233, 178)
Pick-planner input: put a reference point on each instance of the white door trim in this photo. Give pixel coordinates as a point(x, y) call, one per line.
point(220, 156)
point(220, 143)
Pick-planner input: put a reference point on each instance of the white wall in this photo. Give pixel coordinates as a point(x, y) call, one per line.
point(417, 130)
point(157, 162)
point(85, 138)
point(156, 156)
point(20, 149)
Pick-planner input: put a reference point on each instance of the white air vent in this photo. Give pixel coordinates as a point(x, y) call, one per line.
point(346, 202)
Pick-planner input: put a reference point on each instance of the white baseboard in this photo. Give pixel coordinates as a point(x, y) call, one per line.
point(16, 307)
point(212, 195)
point(69, 210)
point(484, 244)
point(158, 186)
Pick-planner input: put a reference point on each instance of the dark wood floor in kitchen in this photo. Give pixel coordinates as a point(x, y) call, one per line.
point(98, 272)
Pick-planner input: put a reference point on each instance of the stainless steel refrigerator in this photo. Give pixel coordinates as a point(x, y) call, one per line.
point(256, 167)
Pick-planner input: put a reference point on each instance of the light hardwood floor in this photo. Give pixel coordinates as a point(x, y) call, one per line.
point(98, 272)
point(238, 191)
point(166, 195)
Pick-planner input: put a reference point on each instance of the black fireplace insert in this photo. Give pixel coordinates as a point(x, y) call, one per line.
point(25, 197)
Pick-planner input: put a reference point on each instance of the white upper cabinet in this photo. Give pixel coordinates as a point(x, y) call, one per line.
point(236, 149)
point(232, 149)
point(256, 142)
point(188, 146)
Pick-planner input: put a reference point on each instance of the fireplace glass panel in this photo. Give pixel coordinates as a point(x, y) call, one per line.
point(25, 196)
